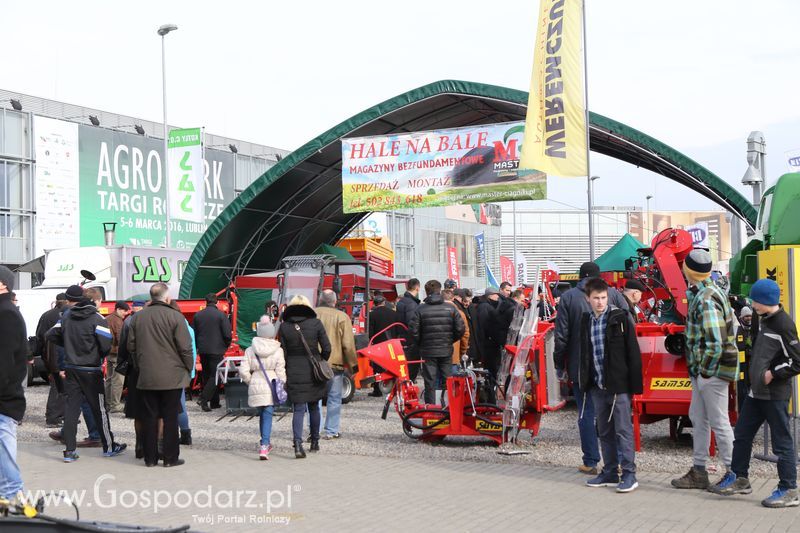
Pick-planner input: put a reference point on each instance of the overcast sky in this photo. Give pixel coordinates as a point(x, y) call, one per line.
point(697, 75)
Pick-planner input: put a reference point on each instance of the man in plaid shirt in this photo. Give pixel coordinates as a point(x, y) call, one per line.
point(713, 362)
point(610, 371)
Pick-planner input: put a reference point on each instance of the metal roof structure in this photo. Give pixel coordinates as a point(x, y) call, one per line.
point(297, 204)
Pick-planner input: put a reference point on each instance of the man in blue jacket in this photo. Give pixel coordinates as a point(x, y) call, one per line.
point(774, 361)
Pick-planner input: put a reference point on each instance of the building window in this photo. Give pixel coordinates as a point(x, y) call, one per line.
point(14, 139)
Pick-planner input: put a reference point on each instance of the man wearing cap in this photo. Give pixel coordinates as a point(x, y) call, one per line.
point(381, 316)
point(632, 292)
point(54, 412)
point(114, 380)
point(86, 339)
point(13, 370)
point(713, 363)
point(775, 361)
point(488, 336)
point(573, 305)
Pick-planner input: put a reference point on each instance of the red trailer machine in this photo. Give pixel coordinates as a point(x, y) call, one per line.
point(523, 394)
point(667, 390)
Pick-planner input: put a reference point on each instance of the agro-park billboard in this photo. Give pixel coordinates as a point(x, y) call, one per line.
point(470, 165)
point(86, 176)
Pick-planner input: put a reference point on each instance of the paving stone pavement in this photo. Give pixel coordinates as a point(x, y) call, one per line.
point(357, 493)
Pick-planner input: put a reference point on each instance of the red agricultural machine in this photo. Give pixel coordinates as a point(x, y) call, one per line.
point(667, 389)
point(521, 388)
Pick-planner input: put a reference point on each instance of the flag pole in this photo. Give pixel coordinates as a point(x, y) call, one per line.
point(590, 200)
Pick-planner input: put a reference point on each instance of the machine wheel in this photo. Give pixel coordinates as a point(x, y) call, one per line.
point(385, 386)
point(348, 388)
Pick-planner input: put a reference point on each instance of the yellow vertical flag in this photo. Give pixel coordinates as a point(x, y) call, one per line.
point(555, 125)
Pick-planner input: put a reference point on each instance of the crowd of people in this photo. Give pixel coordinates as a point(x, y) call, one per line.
point(299, 356)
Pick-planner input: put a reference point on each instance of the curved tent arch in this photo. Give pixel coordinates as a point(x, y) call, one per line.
point(297, 204)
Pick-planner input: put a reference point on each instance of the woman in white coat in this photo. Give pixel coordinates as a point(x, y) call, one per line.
point(263, 362)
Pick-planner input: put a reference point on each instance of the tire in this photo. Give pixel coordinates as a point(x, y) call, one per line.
point(348, 388)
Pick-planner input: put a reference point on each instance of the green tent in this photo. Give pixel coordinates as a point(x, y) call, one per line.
point(339, 252)
point(614, 259)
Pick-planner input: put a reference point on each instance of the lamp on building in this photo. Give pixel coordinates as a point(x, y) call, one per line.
point(233, 149)
point(756, 175)
point(591, 216)
point(16, 104)
point(163, 31)
point(94, 120)
point(276, 157)
point(138, 127)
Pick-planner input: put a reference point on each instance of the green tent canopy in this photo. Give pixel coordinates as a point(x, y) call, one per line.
point(337, 251)
point(614, 259)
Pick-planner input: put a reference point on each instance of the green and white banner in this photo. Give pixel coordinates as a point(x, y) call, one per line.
point(186, 191)
point(86, 176)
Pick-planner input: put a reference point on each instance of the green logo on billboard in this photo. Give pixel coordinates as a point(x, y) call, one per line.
point(151, 272)
point(186, 184)
point(65, 268)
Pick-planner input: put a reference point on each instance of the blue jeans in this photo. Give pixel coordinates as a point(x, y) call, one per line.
point(183, 417)
point(299, 416)
point(333, 413)
point(586, 427)
point(91, 425)
point(265, 423)
point(10, 477)
point(776, 414)
point(616, 434)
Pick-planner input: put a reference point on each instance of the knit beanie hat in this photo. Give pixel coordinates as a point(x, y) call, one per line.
point(746, 311)
point(765, 292)
point(74, 293)
point(7, 278)
point(697, 265)
point(589, 270)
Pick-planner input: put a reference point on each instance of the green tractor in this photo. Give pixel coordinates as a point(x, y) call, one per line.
point(778, 225)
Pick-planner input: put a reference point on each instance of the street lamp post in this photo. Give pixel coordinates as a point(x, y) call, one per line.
point(591, 217)
point(163, 31)
point(646, 223)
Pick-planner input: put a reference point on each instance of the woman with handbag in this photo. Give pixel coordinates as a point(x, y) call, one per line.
point(264, 371)
point(306, 349)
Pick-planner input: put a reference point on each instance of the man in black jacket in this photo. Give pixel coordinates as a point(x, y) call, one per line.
point(86, 339)
point(212, 331)
point(406, 307)
point(54, 412)
point(567, 352)
point(434, 328)
point(380, 318)
point(775, 361)
point(610, 370)
point(13, 370)
point(489, 330)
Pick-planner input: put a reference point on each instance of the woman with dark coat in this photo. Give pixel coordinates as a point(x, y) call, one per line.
point(304, 392)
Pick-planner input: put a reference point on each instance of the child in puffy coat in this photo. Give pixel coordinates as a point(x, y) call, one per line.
point(263, 362)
